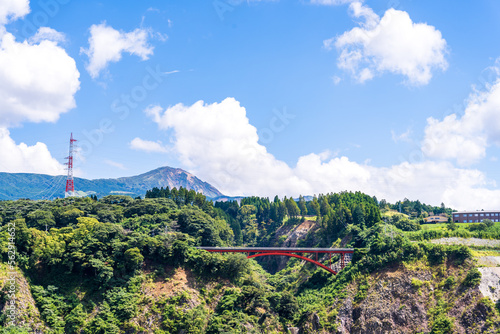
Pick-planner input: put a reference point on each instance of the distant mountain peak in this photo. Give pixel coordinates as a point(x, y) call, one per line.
point(172, 177)
point(39, 186)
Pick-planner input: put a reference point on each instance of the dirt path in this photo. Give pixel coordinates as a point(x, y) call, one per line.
point(468, 242)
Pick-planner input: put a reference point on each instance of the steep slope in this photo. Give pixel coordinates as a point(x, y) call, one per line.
point(26, 312)
point(38, 186)
point(169, 177)
point(416, 298)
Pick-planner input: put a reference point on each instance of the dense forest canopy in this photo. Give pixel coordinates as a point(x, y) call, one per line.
point(88, 261)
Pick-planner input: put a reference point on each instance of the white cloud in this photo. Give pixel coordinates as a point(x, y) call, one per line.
point(22, 158)
point(393, 43)
point(405, 136)
point(11, 10)
point(371, 20)
point(466, 138)
point(107, 45)
point(115, 164)
point(218, 144)
point(147, 145)
point(37, 81)
point(49, 34)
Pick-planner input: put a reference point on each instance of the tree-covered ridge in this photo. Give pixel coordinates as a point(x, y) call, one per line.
point(100, 248)
point(255, 220)
point(120, 264)
point(415, 208)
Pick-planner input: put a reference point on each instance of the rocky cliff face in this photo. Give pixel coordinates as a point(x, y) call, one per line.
point(169, 177)
point(412, 299)
point(26, 312)
point(286, 236)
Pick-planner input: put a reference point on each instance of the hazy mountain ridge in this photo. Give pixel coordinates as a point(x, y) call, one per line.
point(40, 186)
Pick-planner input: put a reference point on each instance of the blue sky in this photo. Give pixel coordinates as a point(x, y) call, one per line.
point(394, 98)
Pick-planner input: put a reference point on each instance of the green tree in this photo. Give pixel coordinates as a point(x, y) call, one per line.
point(70, 216)
point(281, 212)
point(133, 258)
point(315, 206)
point(358, 216)
point(302, 206)
point(75, 320)
point(288, 305)
point(324, 206)
point(292, 208)
point(40, 219)
point(104, 322)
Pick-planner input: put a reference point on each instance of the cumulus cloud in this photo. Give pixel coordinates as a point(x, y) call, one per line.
point(466, 138)
point(147, 145)
point(217, 143)
point(21, 158)
point(11, 10)
point(393, 43)
point(107, 45)
point(37, 80)
point(48, 34)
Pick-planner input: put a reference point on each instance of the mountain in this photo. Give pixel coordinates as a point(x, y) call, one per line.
point(40, 186)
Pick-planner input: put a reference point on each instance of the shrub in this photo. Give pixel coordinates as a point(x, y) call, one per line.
point(451, 225)
point(473, 278)
point(13, 330)
point(75, 319)
point(416, 283)
point(442, 325)
point(488, 222)
point(251, 298)
point(407, 225)
point(477, 227)
point(288, 305)
point(449, 282)
point(459, 253)
point(436, 254)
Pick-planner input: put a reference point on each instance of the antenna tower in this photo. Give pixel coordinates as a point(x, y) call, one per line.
point(70, 187)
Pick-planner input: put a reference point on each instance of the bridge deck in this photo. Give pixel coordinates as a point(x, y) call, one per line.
point(288, 251)
point(278, 249)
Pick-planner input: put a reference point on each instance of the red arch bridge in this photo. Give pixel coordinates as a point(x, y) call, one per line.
point(345, 254)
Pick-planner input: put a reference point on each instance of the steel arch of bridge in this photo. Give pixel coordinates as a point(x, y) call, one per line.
point(290, 252)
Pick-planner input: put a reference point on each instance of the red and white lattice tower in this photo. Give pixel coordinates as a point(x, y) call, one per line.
point(70, 186)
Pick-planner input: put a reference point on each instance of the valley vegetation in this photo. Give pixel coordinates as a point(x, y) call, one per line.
point(124, 265)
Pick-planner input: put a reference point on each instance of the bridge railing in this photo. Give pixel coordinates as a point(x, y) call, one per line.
point(345, 254)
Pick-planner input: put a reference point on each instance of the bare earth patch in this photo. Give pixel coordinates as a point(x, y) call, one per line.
point(180, 281)
point(469, 242)
point(489, 261)
point(490, 283)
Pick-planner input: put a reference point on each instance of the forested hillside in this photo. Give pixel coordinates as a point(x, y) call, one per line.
point(125, 265)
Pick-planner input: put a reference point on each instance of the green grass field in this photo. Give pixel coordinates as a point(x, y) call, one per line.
point(390, 213)
point(442, 226)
